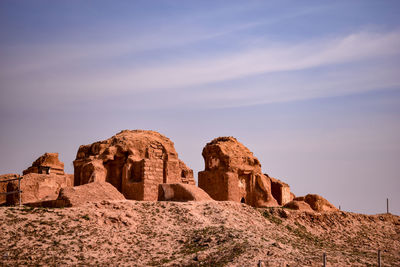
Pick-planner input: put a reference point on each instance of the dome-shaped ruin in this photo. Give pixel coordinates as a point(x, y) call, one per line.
point(134, 161)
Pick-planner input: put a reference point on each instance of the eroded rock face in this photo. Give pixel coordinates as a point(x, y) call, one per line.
point(48, 163)
point(233, 173)
point(133, 161)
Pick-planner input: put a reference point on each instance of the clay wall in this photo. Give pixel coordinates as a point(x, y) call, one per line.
point(214, 186)
point(153, 176)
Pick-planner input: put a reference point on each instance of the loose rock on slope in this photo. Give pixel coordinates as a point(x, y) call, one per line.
point(144, 233)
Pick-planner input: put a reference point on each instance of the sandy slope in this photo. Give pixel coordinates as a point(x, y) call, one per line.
point(135, 233)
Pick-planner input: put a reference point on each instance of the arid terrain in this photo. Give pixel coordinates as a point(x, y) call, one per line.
point(210, 233)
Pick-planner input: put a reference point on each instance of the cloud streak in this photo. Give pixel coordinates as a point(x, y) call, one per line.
point(215, 78)
point(275, 58)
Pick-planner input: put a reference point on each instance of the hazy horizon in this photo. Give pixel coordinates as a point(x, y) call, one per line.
point(312, 90)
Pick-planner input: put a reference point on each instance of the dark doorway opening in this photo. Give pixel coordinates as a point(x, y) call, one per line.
point(137, 172)
point(242, 200)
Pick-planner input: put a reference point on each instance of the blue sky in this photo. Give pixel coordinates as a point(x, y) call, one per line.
point(311, 89)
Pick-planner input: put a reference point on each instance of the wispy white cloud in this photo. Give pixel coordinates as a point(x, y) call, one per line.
point(214, 79)
point(26, 58)
point(282, 57)
point(301, 85)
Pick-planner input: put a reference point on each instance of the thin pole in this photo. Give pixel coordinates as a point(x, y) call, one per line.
point(259, 263)
point(324, 259)
point(19, 191)
point(379, 258)
point(387, 205)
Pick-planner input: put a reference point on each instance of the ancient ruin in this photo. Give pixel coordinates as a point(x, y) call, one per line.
point(133, 161)
point(46, 164)
point(40, 182)
point(233, 173)
point(143, 165)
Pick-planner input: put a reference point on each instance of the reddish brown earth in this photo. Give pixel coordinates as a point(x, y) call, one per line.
point(210, 233)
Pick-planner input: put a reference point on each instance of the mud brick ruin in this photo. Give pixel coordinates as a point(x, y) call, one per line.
point(233, 173)
point(143, 165)
point(136, 162)
point(41, 181)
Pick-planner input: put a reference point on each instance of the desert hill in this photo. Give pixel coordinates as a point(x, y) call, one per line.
point(210, 233)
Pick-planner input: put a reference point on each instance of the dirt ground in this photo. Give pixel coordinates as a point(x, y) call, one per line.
point(139, 233)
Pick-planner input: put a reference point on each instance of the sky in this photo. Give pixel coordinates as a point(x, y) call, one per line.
point(311, 88)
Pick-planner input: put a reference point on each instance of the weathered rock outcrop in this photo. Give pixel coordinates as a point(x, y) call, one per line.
point(181, 192)
point(92, 192)
point(134, 161)
point(46, 164)
point(233, 173)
